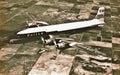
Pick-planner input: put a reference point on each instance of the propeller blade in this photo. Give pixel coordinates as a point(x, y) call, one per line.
point(55, 43)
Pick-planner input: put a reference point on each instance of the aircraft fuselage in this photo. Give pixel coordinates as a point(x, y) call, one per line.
point(60, 27)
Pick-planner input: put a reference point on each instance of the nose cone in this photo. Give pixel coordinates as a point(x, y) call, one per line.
point(21, 32)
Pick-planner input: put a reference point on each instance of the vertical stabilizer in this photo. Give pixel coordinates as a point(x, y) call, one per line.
point(100, 14)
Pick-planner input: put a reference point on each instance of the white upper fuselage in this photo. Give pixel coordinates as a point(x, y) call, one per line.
point(61, 27)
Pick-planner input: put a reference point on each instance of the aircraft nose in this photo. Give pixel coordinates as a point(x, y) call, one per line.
point(20, 32)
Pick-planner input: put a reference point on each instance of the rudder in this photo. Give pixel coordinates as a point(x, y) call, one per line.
point(100, 14)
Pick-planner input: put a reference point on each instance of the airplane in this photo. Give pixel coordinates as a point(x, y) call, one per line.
point(98, 20)
point(46, 30)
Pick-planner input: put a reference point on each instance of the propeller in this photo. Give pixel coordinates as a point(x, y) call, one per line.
point(34, 22)
point(31, 16)
point(47, 39)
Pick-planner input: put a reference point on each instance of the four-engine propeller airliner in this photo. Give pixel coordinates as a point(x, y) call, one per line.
point(35, 28)
point(98, 20)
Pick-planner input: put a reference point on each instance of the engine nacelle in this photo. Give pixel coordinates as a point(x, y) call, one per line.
point(36, 24)
point(100, 25)
point(14, 41)
point(48, 41)
point(63, 45)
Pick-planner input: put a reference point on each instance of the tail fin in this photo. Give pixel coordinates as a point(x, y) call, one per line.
point(100, 14)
